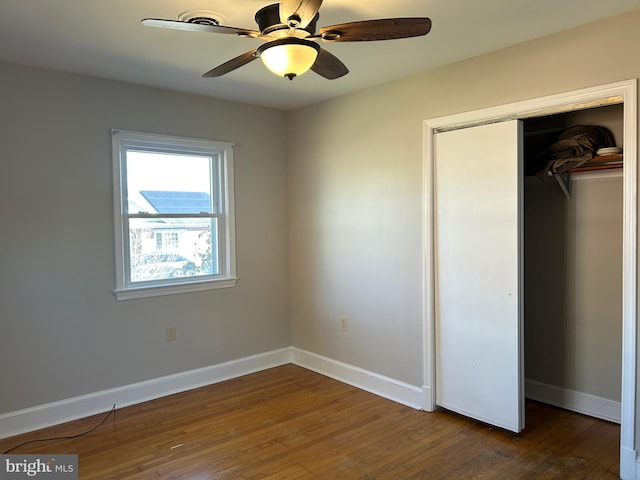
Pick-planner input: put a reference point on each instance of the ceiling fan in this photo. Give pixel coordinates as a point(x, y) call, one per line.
point(289, 29)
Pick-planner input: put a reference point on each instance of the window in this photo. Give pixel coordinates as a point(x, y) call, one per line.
point(174, 218)
point(167, 240)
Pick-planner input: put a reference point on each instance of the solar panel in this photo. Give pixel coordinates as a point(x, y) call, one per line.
point(178, 202)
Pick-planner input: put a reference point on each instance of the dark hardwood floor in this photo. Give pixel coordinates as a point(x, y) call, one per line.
point(291, 423)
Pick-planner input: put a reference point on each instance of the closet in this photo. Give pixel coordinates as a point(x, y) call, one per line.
point(559, 319)
point(573, 226)
point(527, 270)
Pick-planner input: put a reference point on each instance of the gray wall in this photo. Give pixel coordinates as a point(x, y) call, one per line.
point(356, 174)
point(573, 285)
point(62, 331)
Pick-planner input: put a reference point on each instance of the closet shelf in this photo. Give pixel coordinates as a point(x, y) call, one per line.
point(604, 162)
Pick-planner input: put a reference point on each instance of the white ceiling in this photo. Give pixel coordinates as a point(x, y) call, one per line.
point(104, 38)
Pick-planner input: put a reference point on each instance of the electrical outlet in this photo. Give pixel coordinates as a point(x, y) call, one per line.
point(344, 324)
point(171, 334)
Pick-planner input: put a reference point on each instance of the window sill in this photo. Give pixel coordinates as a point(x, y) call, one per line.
point(161, 290)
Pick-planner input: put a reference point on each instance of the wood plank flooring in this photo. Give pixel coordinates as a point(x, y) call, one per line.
point(289, 423)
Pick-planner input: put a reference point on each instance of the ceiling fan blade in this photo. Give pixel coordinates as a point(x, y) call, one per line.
point(232, 64)
point(298, 13)
point(329, 66)
point(383, 29)
point(197, 27)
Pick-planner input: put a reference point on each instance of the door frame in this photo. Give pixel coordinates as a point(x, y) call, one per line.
point(624, 93)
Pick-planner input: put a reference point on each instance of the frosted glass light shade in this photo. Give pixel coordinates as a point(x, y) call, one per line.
point(289, 57)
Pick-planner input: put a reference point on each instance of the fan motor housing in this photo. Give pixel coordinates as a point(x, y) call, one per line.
point(268, 19)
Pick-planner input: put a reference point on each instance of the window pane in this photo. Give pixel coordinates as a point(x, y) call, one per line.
point(168, 183)
point(167, 248)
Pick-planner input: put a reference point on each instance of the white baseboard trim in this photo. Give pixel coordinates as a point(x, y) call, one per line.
point(386, 387)
point(41, 416)
point(428, 400)
point(575, 401)
point(629, 464)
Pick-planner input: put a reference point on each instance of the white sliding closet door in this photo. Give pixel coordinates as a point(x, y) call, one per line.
point(478, 272)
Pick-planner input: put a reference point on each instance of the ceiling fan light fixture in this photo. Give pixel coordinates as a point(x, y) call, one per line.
point(289, 57)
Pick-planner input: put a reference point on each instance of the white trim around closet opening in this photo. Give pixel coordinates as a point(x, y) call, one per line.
point(625, 93)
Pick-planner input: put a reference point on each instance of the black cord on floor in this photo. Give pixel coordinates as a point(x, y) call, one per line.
point(112, 411)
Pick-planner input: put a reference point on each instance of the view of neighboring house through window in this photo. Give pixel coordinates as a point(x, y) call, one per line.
point(167, 240)
point(174, 214)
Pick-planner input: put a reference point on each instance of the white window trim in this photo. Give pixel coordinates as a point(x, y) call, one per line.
point(227, 278)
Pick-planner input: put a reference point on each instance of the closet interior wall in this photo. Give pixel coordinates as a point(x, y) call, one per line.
point(573, 267)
